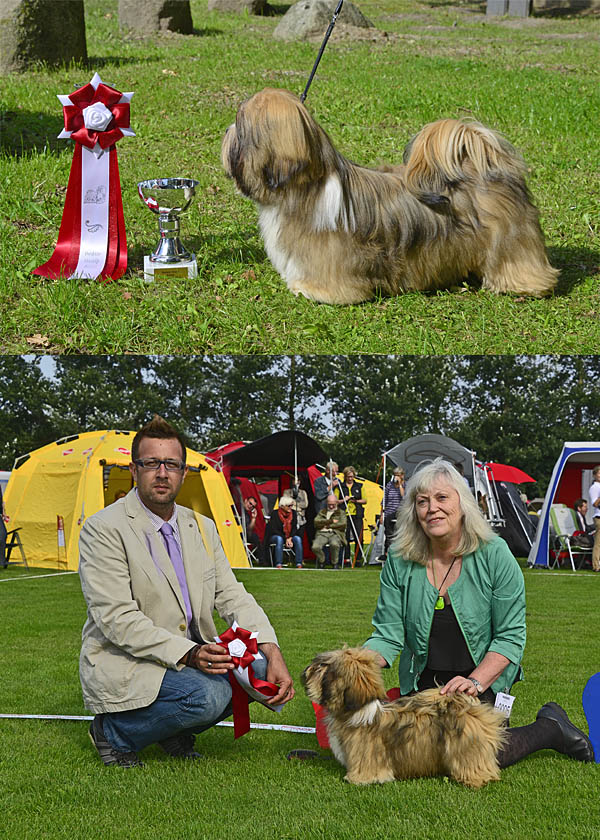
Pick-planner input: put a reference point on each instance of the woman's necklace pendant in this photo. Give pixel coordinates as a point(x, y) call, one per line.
point(439, 604)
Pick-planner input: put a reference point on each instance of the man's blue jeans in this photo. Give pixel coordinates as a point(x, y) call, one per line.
point(189, 701)
point(278, 542)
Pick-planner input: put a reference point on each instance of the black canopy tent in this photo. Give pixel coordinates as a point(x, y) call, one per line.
point(281, 456)
point(282, 451)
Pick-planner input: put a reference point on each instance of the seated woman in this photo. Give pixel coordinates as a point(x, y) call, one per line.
point(452, 603)
point(283, 530)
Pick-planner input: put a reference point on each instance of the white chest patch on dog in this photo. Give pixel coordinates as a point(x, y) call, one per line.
point(366, 715)
point(270, 226)
point(330, 211)
point(336, 748)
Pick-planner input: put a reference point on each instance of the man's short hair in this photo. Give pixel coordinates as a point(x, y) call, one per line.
point(578, 503)
point(157, 428)
point(596, 471)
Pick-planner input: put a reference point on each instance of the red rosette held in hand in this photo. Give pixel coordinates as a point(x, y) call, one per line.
point(91, 241)
point(243, 648)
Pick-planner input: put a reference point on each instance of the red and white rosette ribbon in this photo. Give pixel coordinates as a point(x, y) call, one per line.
point(243, 648)
point(91, 241)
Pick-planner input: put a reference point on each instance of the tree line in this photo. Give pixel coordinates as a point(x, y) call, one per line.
point(512, 409)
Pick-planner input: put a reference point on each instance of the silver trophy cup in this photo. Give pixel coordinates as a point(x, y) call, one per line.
point(169, 198)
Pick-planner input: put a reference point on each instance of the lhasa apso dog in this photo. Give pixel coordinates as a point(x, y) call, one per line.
point(339, 233)
point(427, 734)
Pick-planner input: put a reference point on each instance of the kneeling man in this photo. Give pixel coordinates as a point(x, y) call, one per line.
point(151, 580)
point(330, 529)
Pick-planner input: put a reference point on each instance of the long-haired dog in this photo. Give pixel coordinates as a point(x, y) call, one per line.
point(338, 233)
point(427, 734)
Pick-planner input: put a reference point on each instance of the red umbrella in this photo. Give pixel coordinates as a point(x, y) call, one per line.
point(503, 472)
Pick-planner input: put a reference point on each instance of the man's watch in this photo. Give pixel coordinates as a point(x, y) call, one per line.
point(477, 684)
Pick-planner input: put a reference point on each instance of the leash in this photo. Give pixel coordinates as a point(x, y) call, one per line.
point(338, 9)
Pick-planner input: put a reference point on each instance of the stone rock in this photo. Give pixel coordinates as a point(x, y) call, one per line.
point(52, 31)
point(148, 16)
point(252, 7)
point(308, 18)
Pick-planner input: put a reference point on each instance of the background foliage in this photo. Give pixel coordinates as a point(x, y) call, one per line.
point(513, 409)
point(536, 80)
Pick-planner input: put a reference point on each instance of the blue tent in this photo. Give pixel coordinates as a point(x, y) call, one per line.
point(578, 456)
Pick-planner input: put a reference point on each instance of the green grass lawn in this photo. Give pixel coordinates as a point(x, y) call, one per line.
point(535, 80)
point(54, 786)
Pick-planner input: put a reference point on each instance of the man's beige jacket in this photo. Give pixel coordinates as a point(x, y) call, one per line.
point(136, 622)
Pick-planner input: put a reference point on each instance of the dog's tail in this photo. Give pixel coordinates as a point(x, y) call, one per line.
point(451, 152)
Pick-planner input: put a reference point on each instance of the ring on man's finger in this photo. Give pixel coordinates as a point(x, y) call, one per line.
point(209, 664)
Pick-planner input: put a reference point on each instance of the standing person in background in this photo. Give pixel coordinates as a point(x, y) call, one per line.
point(349, 493)
point(393, 497)
point(325, 484)
point(594, 502)
point(3, 532)
point(299, 499)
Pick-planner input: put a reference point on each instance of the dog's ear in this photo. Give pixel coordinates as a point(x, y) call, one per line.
point(353, 698)
point(278, 172)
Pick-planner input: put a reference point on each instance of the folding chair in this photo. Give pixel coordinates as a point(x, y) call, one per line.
point(563, 527)
point(251, 554)
point(288, 553)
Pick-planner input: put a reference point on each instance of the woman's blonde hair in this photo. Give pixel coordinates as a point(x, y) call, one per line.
point(410, 541)
point(347, 470)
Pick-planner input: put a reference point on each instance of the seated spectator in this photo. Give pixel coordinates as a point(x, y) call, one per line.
point(324, 484)
point(330, 528)
point(585, 539)
point(393, 496)
point(283, 531)
point(252, 538)
point(594, 504)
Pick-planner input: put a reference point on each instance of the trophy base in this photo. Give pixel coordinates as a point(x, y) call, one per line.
point(163, 271)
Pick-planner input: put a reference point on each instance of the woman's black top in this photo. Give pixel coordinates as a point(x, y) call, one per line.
point(448, 649)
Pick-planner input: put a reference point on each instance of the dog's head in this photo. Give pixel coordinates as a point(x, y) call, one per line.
point(275, 145)
point(344, 680)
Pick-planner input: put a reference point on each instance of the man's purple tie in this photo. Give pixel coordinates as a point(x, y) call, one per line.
point(177, 561)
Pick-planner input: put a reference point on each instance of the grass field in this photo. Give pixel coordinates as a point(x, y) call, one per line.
point(54, 786)
point(535, 80)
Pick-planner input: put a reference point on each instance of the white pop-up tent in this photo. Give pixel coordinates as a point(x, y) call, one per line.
point(570, 480)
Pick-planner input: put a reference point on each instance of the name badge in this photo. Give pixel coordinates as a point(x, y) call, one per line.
point(504, 703)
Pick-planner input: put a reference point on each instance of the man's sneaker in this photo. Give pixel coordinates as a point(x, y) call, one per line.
point(109, 755)
point(180, 746)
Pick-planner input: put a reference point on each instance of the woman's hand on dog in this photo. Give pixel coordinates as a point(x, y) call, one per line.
point(459, 685)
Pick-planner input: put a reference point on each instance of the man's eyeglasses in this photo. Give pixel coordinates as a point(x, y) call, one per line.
point(154, 464)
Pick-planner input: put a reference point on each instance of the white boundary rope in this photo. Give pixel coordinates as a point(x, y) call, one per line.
point(29, 577)
point(278, 727)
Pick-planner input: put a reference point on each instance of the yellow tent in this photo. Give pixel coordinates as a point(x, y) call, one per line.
point(64, 483)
